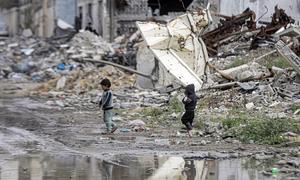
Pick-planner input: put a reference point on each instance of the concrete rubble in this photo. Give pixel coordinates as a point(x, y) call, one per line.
point(40, 60)
point(56, 66)
point(54, 62)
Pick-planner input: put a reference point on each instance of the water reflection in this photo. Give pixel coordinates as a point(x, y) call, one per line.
point(125, 167)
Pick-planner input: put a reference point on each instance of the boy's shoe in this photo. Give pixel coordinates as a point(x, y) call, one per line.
point(113, 129)
point(106, 133)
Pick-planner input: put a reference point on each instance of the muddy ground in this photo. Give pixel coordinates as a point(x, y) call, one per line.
point(29, 125)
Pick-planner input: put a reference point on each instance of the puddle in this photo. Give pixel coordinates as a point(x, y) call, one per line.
point(124, 167)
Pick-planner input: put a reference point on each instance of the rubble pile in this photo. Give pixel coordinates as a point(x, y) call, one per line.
point(87, 79)
point(134, 98)
point(22, 56)
point(254, 68)
point(65, 67)
point(125, 51)
point(27, 59)
point(88, 45)
point(255, 87)
point(125, 98)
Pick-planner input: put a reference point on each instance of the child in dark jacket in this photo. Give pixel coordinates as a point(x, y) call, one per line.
point(190, 102)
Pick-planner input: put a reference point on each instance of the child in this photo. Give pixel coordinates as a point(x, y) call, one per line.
point(189, 101)
point(106, 103)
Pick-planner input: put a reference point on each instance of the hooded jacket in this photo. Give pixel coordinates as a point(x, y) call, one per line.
point(190, 99)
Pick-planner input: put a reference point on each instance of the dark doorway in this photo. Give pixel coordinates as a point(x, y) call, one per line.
point(166, 6)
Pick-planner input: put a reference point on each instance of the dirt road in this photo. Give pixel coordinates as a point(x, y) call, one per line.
point(30, 124)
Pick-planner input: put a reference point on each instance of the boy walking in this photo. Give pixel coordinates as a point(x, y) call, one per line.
point(106, 104)
point(189, 101)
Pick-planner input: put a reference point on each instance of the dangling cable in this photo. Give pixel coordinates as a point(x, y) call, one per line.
point(267, 10)
point(182, 5)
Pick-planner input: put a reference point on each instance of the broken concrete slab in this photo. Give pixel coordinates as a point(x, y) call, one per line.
point(248, 86)
point(64, 25)
point(13, 45)
point(289, 55)
point(61, 83)
point(27, 33)
point(177, 45)
point(250, 105)
point(245, 72)
point(28, 51)
point(291, 32)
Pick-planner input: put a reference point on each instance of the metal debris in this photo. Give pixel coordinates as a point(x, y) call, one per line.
point(227, 28)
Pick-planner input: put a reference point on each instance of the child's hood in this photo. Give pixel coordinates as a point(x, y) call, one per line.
point(190, 89)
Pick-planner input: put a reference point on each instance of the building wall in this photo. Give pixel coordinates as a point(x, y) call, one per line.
point(9, 20)
point(137, 10)
point(147, 64)
point(3, 25)
point(99, 17)
point(66, 10)
point(233, 7)
point(44, 20)
point(39, 16)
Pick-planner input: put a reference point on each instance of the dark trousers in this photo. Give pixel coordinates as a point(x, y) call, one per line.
point(187, 119)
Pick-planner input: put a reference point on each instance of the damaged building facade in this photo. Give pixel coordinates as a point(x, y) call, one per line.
point(110, 18)
point(117, 17)
point(39, 16)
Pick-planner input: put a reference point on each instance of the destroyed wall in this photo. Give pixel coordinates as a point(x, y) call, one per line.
point(98, 13)
point(8, 20)
point(177, 46)
point(127, 15)
point(147, 64)
point(117, 17)
point(232, 7)
point(39, 16)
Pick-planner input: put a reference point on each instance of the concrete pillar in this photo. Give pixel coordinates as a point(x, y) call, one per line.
point(10, 170)
point(45, 17)
point(12, 20)
point(36, 172)
point(105, 16)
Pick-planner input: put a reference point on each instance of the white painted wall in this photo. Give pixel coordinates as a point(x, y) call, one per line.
point(146, 64)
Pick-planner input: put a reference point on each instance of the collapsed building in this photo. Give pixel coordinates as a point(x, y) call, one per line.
point(178, 47)
point(183, 42)
point(240, 30)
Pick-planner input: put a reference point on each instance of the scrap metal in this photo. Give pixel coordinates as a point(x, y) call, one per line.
point(279, 19)
point(233, 25)
point(228, 27)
